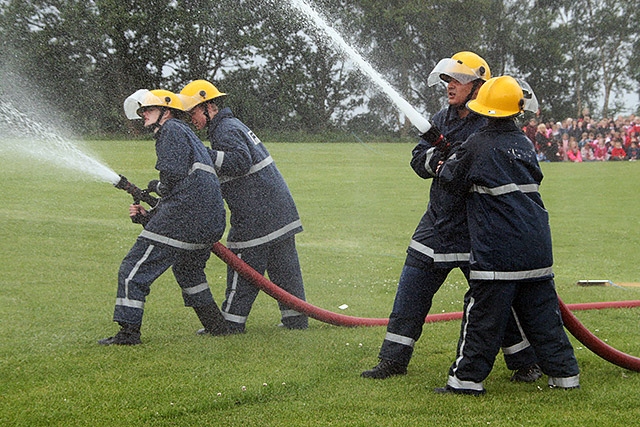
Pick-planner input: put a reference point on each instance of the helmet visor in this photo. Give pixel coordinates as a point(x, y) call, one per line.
point(530, 100)
point(453, 69)
point(190, 102)
point(137, 100)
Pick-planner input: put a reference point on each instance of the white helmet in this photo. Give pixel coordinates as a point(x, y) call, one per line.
point(150, 98)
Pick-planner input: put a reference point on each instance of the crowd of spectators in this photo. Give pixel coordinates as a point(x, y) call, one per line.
point(585, 139)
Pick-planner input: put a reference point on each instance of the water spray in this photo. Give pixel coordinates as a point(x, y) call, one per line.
point(411, 113)
point(46, 145)
point(20, 134)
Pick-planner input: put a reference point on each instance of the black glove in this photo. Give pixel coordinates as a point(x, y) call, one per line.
point(140, 219)
point(155, 186)
point(434, 137)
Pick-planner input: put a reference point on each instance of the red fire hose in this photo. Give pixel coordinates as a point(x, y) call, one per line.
point(592, 342)
point(574, 326)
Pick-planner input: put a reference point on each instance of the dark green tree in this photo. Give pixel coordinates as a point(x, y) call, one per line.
point(408, 38)
point(612, 34)
point(209, 37)
point(305, 80)
point(84, 57)
point(574, 53)
point(135, 52)
point(46, 46)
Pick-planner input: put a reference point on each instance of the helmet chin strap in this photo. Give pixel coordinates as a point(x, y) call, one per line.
point(155, 126)
point(476, 85)
point(206, 114)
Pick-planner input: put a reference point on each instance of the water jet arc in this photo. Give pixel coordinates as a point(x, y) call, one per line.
point(421, 123)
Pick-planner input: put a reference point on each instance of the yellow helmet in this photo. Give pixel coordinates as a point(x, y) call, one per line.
point(197, 92)
point(499, 97)
point(150, 98)
point(464, 67)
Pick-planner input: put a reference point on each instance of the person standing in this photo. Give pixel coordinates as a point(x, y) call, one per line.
point(180, 229)
point(264, 218)
point(440, 242)
point(497, 172)
point(530, 130)
point(545, 145)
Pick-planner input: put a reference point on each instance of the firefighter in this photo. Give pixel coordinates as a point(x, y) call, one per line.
point(440, 242)
point(180, 229)
point(497, 172)
point(264, 218)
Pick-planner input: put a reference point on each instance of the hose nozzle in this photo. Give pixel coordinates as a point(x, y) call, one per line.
point(123, 183)
point(137, 194)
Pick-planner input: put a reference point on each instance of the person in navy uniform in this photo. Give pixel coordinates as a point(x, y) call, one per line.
point(440, 242)
point(180, 230)
point(264, 218)
point(497, 172)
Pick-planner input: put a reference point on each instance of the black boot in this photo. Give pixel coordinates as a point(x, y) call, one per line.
point(452, 390)
point(385, 369)
point(212, 320)
point(128, 334)
point(527, 374)
point(296, 322)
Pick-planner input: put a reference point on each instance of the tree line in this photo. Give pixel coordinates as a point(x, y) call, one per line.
point(283, 75)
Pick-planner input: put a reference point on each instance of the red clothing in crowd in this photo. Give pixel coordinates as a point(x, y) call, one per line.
point(618, 153)
point(600, 152)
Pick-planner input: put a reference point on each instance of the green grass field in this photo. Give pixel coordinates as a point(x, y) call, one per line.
point(63, 237)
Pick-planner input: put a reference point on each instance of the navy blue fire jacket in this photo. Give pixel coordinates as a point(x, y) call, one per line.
point(262, 208)
point(442, 235)
point(190, 213)
point(497, 171)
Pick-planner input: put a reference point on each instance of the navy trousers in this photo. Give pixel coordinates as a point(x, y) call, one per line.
point(488, 304)
point(417, 286)
point(144, 263)
point(280, 260)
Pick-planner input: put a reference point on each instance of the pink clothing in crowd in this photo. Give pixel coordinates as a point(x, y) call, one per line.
point(574, 156)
